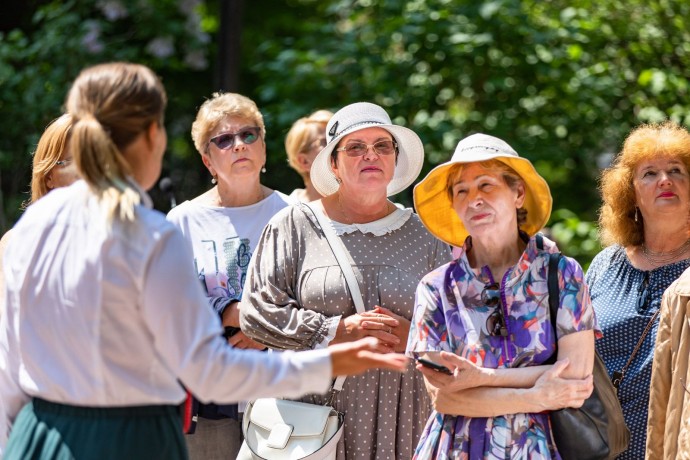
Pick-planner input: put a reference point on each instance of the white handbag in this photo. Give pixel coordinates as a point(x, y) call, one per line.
point(279, 429)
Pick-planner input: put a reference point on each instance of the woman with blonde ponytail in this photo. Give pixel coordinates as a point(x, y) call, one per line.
point(105, 315)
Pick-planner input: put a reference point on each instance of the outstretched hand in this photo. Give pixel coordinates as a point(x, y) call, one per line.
point(352, 358)
point(466, 374)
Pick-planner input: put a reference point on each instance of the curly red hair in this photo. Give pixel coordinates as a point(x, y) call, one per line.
point(617, 223)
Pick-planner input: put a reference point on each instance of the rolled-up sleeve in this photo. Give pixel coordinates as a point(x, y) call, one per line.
point(575, 313)
point(187, 336)
point(270, 312)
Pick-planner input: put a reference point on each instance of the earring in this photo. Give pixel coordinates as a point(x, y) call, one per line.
point(214, 181)
point(337, 179)
point(263, 169)
point(636, 210)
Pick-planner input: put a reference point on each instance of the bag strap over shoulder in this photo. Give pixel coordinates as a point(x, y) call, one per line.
point(553, 292)
point(339, 251)
point(551, 281)
point(552, 284)
point(618, 376)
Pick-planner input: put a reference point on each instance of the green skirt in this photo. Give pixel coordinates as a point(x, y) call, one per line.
point(46, 430)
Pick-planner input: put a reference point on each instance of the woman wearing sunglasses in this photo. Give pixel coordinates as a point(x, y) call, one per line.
point(297, 298)
point(223, 226)
point(488, 310)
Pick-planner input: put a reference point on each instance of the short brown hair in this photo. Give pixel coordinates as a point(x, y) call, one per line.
point(508, 174)
point(617, 214)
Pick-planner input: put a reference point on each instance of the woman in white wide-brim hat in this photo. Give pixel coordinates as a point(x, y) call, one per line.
point(296, 296)
point(488, 310)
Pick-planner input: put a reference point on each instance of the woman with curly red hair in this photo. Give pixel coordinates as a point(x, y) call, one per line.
point(644, 223)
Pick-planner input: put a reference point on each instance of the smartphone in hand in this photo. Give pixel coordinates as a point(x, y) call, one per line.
point(432, 365)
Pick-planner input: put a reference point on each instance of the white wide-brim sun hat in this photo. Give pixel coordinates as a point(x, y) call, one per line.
point(358, 116)
point(435, 207)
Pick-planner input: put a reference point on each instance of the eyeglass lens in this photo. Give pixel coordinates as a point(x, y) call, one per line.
point(226, 141)
point(357, 149)
point(495, 323)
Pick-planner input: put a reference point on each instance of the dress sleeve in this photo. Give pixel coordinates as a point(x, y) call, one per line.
point(440, 254)
point(575, 312)
point(428, 330)
point(270, 312)
point(593, 270)
point(187, 336)
point(662, 370)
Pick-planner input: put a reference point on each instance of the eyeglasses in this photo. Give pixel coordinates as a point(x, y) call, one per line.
point(63, 163)
point(226, 141)
point(357, 149)
point(495, 323)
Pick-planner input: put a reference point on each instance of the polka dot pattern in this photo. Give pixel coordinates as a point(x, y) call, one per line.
point(624, 307)
point(297, 285)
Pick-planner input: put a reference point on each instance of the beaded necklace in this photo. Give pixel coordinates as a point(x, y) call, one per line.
point(663, 258)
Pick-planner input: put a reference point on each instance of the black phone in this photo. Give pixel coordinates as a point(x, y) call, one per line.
point(434, 366)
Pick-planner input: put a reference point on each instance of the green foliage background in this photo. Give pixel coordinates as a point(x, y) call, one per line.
point(561, 81)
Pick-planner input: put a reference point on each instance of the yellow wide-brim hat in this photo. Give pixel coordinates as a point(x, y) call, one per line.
point(434, 205)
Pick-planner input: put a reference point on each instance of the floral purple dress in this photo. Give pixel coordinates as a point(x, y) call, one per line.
point(450, 316)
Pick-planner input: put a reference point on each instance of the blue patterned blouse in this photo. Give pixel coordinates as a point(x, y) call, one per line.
point(625, 299)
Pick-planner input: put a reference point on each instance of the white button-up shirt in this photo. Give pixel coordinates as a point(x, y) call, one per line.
point(106, 317)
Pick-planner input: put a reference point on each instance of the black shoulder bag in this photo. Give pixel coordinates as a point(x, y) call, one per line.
point(596, 430)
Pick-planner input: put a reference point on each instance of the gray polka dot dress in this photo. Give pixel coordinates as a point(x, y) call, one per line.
point(295, 292)
point(624, 300)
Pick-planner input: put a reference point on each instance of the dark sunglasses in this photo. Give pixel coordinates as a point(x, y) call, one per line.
point(357, 149)
point(643, 294)
point(226, 141)
point(495, 323)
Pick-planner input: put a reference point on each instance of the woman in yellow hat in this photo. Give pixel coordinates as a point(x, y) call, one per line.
point(485, 316)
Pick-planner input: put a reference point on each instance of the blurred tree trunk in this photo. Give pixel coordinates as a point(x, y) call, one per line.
point(229, 45)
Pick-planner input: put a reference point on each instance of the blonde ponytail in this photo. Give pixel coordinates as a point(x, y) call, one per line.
point(104, 168)
point(112, 104)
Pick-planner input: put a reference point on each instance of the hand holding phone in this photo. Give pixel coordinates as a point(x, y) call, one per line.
point(432, 365)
